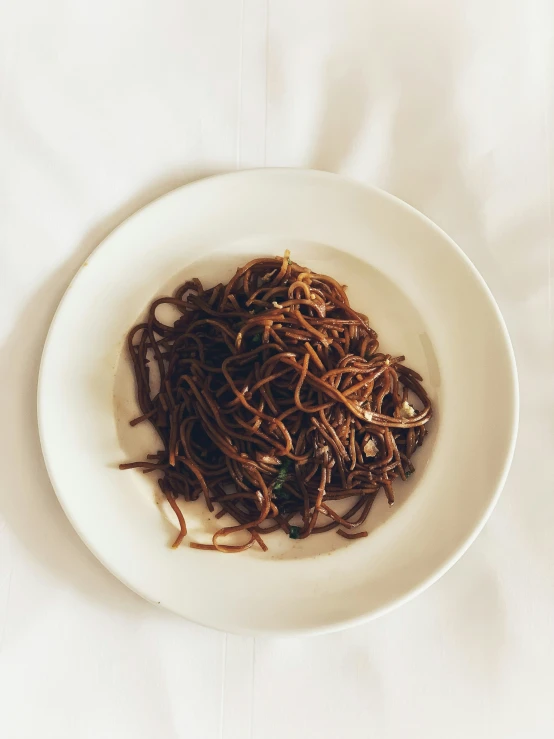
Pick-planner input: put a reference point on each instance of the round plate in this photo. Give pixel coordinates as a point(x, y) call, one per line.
point(425, 300)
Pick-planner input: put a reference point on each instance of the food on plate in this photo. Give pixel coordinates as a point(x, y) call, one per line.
point(272, 401)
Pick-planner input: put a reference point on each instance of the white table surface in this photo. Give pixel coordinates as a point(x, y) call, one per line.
point(103, 106)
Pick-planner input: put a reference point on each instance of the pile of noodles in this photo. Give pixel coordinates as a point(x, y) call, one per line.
point(271, 400)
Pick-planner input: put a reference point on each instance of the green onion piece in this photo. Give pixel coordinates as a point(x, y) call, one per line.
point(294, 532)
point(281, 475)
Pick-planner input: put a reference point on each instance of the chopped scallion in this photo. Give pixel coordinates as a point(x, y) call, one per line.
point(281, 475)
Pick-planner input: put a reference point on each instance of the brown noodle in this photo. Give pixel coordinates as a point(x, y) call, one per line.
point(271, 399)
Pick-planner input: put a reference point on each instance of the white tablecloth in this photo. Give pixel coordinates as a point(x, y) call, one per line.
point(105, 105)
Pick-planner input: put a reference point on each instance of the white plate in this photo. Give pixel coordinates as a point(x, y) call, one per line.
point(425, 300)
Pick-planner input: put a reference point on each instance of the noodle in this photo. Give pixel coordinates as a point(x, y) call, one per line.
point(270, 398)
point(348, 535)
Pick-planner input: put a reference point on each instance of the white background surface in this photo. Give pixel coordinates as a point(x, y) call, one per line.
point(103, 106)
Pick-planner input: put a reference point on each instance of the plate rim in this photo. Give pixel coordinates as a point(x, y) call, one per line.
point(439, 571)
